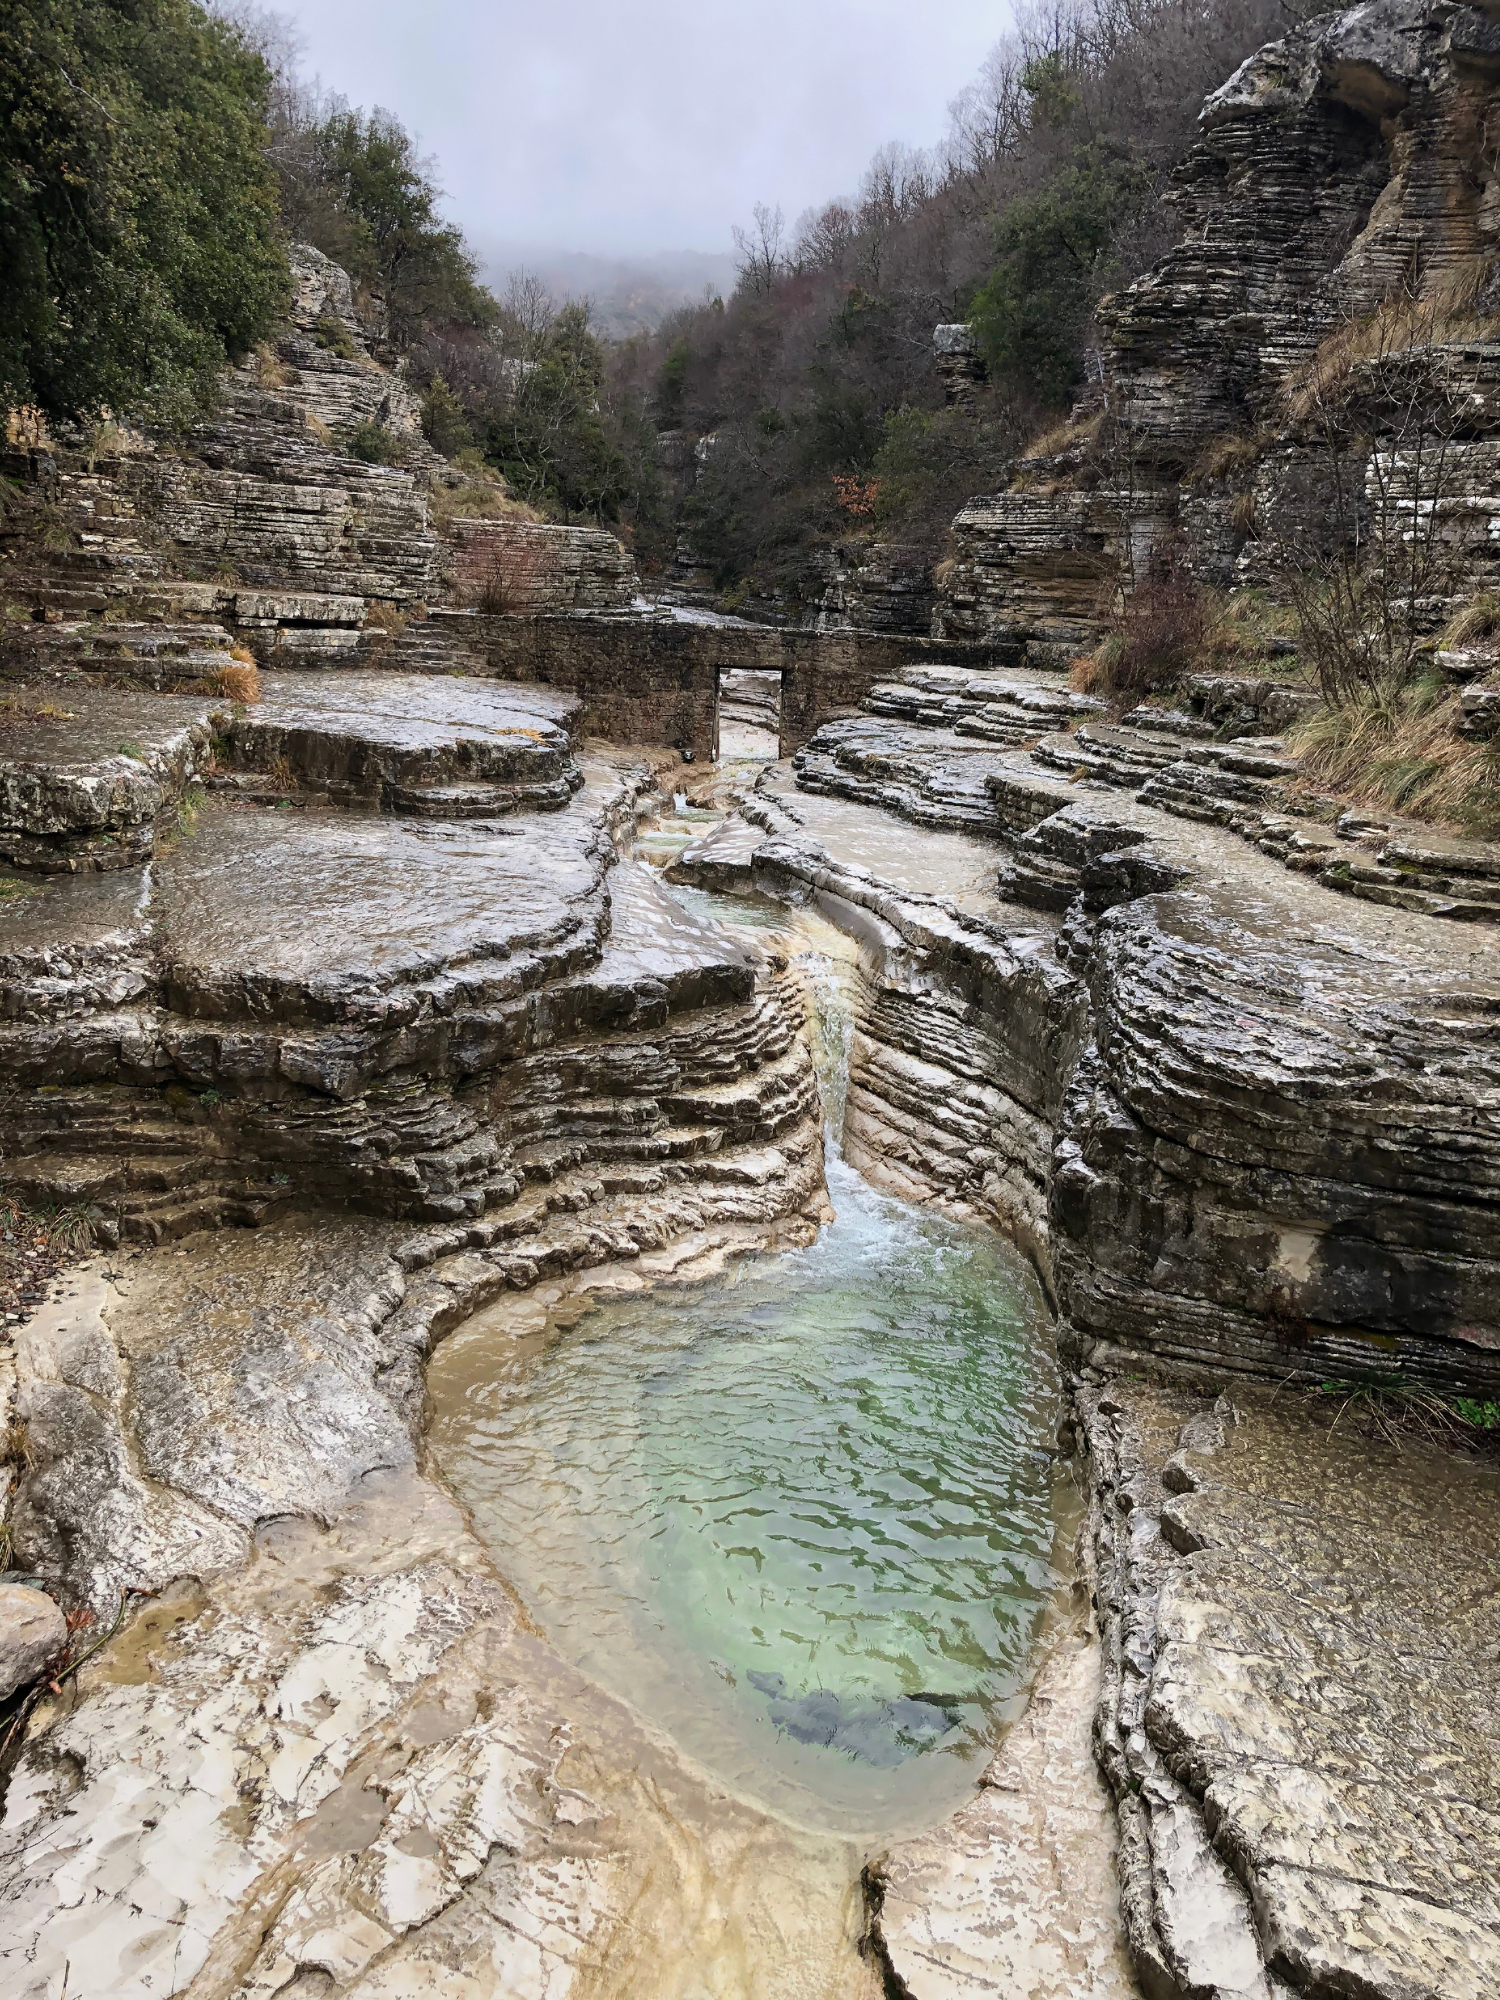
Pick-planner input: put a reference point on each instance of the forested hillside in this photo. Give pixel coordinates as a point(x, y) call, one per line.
point(815, 379)
point(158, 156)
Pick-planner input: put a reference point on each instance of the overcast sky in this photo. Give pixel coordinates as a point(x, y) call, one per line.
point(603, 125)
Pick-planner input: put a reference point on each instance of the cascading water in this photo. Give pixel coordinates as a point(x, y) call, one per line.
point(803, 1517)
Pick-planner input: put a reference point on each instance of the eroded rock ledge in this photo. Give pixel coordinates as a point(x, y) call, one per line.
point(1248, 1128)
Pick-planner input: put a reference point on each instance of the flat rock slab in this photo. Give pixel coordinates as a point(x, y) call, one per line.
point(1303, 1629)
point(83, 774)
point(415, 742)
point(174, 1401)
point(72, 943)
point(655, 941)
point(333, 916)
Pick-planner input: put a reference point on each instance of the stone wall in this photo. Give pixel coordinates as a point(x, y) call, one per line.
point(655, 680)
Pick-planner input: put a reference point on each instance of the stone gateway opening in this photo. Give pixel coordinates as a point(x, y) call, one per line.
point(749, 715)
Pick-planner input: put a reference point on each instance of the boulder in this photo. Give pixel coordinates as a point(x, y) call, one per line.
point(32, 1634)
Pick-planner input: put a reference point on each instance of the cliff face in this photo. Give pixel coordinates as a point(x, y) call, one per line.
point(266, 520)
point(1269, 384)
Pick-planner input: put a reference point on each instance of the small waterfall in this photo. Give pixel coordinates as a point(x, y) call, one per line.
point(830, 1032)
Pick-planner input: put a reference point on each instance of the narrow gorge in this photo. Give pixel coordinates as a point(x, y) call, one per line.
point(745, 1309)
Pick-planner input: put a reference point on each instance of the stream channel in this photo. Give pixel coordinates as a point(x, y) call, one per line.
point(803, 1518)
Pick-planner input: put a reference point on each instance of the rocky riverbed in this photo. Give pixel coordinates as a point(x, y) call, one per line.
point(356, 994)
point(328, 1752)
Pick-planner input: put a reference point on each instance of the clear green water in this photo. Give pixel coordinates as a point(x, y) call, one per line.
point(804, 1518)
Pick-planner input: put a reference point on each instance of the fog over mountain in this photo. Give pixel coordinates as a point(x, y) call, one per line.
point(628, 294)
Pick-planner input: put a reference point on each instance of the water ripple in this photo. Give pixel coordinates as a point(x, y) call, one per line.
point(804, 1516)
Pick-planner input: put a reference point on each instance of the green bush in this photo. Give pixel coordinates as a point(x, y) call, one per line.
point(138, 232)
point(354, 186)
point(548, 438)
point(1050, 268)
point(444, 425)
point(334, 337)
point(374, 444)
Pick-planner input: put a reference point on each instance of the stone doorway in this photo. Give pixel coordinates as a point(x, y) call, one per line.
point(747, 715)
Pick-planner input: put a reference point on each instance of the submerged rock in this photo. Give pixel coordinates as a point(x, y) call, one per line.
point(881, 1733)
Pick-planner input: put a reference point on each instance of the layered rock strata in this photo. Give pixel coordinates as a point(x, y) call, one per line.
point(1302, 1758)
point(1312, 366)
point(391, 961)
point(532, 568)
point(1227, 1116)
point(1240, 1122)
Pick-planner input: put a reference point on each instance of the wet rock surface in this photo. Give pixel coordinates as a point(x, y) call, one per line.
point(441, 748)
point(332, 1004)
point(1295, 1722)
point(1016, 1893)
point(1294, 1717)
point(350, 1769)
point(1242, 1120)
point(85, 781)
point(1226, 1062)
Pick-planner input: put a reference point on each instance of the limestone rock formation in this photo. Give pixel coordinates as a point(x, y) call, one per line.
point(1183, 1071)
point(876, 587)
point(1304, 1797)
point(32, 1634)
point(1333, 286)
point(1134, 1078)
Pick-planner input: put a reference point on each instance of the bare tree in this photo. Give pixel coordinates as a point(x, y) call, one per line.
point(761, 250)
point(1389, 400)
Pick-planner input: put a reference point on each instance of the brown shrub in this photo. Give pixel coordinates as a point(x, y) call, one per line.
point(240, 680)
point(512, 576)
point(1158, 637)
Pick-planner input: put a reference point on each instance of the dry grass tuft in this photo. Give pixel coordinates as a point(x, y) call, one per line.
point(481, 497)
point(382, 617)
point(1479, 619)
point(1223, 456)
point(1066, 436)
point(1393, 329)
point(240, 681)
point(271, 372)
point(21, 711)
point(1399, 749)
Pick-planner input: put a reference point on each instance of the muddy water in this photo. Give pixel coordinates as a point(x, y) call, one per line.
point(803, 1518)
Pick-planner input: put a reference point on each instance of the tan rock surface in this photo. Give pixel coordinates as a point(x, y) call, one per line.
point(1015, 1896)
